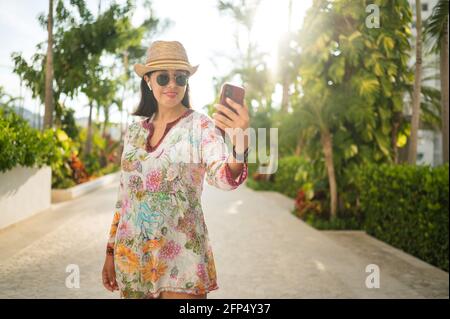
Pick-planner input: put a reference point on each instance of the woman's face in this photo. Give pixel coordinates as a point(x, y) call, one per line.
point(171, 94)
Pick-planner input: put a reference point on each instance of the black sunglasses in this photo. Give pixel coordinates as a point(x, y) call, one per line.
point(164, 78)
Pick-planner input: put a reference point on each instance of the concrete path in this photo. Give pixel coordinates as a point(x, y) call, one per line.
point(261, 251)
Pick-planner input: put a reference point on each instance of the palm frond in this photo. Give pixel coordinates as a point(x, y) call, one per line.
point(436, 25)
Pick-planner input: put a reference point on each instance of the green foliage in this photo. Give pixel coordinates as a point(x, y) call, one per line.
point(108, 169)
point(293, 173)
point(407, 207)
point(351, 78)
point(336, 223)
point(289, 176)
point(81, 44)
point(22, 145)
point(66, 117)
point(437, 25)
point(104, 152)
point(351, 83)
point(62, 173)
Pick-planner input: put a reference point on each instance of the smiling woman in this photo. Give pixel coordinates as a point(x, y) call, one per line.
point(159, 245)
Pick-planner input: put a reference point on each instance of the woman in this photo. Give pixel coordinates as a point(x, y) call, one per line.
point(158, 244)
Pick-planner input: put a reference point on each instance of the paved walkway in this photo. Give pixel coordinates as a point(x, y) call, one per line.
point(261, 251)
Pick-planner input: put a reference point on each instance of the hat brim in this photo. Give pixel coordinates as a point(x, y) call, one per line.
point(141, 69)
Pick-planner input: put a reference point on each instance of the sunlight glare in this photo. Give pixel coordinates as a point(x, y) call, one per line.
point(271, 22)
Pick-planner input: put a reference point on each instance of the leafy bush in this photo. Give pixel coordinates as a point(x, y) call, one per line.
point(304, 205)
point(108, 169)
point(294, 175)
point(407, 207)
point(282, 181)
point(287, 176)
point(104, 151)
point(337, 223)
point(22, 145)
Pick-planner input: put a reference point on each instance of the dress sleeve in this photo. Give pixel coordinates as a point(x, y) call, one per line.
point(214, 155)
point(116, 216)
point(119, 197)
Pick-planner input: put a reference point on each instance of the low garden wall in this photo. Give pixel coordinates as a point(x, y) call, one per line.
point(24, 192)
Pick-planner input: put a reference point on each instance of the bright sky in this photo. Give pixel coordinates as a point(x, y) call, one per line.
point(196, 24)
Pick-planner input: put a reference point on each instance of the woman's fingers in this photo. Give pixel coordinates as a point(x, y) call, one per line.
point(223, 119)
point(106, 281)
point(220, 125)
point(109, 279)
point(239, 120)
point(236, 106)
point(225, 110)
point(114, 283)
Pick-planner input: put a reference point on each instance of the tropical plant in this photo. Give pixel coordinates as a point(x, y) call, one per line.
point(415, 119)
point(49, 103)
point(352, 82)
point(81, 41)
point(436, 36)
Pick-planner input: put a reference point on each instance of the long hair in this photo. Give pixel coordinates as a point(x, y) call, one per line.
point(148, 104)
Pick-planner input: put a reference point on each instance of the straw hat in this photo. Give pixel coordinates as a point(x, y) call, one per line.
point(164, 55)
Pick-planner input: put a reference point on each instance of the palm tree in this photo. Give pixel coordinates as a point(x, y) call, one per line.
point(48, 116)
point(436, 32)
point(412, 152)
point(317, 116)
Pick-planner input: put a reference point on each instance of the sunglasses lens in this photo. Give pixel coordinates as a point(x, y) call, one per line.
point(163, 79)
point(181, 80)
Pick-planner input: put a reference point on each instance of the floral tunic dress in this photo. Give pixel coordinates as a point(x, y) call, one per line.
point(158, 231)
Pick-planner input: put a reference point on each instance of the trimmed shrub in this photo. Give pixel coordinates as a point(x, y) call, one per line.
point(407, 207)
point(22, 145)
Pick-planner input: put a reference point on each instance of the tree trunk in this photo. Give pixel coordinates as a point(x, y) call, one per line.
point(89, 131)
point(327, 146)
point(444, 93)
point(106, 121)
point(415, 120)
point(48, 116)
point(397, 121)
point(300, 144)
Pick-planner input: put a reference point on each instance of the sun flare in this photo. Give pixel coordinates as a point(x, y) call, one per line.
point(271, 23)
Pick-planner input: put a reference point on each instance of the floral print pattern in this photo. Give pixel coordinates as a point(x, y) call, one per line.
point(158, 231)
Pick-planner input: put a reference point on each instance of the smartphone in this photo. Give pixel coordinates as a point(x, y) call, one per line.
point(235, 93)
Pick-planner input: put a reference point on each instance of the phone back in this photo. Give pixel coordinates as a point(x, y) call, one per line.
point(234, 92)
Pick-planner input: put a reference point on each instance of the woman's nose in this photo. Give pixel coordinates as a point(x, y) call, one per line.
point(172, 81)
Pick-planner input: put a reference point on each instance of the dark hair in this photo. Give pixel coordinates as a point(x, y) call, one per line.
point(148, 103)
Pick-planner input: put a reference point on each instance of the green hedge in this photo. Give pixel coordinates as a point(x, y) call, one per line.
point(293, 173)
point(286, 179)
point(22, 145)
point(407, 207)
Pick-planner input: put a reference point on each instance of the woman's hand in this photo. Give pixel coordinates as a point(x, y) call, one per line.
point(240, 122)
point(109, 274)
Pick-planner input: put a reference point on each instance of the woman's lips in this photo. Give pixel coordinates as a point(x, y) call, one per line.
point(171, 95)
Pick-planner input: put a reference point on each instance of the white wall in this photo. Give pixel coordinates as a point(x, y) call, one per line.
point(24, 192)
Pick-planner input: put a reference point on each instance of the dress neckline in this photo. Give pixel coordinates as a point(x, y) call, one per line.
point(148, 125)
